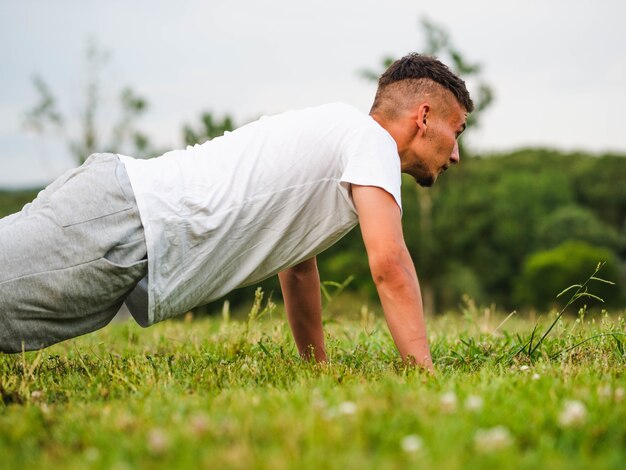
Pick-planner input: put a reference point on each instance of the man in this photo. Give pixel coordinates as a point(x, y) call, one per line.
point(171, 233)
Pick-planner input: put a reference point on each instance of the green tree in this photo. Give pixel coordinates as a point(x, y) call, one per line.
point(125, 131)
point(573, 222)
point(43, 116)
point(124, 137)
point(599, 184)
point(547, 273)
point(485, 217)
point(210, 127)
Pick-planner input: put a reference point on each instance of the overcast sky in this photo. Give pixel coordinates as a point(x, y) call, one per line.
point(558, 67)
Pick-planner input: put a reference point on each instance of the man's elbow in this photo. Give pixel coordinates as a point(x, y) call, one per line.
point(390, 270)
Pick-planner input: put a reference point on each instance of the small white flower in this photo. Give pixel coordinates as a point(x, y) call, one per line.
point(448, 402)
point(347, 408)
point(36, 394)
point(536, 376)
point(199, 424)
point(91, 454)
point(319, 403)
point(524, 368)
point(605, 392)
point(490, 440)
point(473, 403)
point(158, 441)
point(574, 414)
point(124, 422)
point(411, 443)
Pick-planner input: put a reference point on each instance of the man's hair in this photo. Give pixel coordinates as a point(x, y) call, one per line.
point(415, 74)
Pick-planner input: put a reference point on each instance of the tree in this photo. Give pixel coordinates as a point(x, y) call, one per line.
point(573, 222)
point(599, 184)
point(44, 114)
point(485, 218)
point(210, 127)
point(549, 272)
point(125, 131)
point(45, 117)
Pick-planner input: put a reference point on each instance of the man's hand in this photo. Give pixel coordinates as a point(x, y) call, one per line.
point(303, 301)
point(393, 272)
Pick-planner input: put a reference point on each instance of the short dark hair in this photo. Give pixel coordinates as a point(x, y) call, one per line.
point(415, 67)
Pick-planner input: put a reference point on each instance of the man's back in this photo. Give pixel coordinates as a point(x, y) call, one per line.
point(244, 206)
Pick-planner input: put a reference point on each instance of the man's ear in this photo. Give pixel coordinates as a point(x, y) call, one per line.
point(421, 120)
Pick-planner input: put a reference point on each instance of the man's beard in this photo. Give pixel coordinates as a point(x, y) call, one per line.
point(426, 181)
point(422, 175)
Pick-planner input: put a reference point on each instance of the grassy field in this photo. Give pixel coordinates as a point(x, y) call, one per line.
point(222, 393)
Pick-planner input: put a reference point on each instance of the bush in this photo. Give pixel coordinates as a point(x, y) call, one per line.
point(546, 273)
point(13, 201)
point(576, 223)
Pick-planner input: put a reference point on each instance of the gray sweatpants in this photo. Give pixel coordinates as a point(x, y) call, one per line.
point(69, 259)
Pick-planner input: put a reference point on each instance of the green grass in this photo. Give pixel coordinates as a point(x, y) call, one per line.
point(212, 393)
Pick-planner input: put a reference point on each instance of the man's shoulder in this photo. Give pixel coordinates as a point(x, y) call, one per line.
point(340, 115)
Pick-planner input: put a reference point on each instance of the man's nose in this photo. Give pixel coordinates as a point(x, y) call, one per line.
point(456, 156)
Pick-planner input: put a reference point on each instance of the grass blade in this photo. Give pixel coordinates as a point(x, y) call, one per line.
point(574, 286)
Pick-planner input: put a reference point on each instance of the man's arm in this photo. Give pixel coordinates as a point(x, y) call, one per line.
point(393, 272)
point(303, 301)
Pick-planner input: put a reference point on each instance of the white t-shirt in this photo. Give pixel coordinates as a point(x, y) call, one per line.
point(242, 207)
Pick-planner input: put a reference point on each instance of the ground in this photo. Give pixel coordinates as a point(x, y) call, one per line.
point(227, 393)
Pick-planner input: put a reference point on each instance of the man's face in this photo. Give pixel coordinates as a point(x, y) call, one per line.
point(432, 147)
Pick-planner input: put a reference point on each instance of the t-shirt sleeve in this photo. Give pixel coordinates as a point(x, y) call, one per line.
point(371, 159)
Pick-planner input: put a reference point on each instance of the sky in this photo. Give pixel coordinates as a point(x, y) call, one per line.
point(557, 67)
